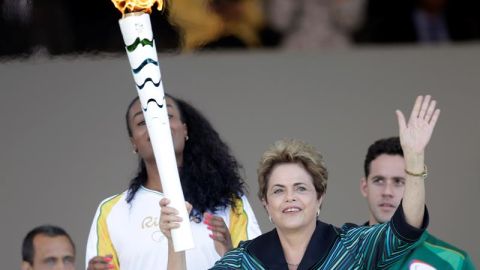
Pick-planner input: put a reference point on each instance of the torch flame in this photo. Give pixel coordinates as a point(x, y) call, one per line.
point(137, 5)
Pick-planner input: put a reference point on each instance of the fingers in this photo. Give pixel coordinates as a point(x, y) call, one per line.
point(101, 263)
point(416, 108)
point(218, 237)
point(169, 218)
point(416, 133)
point(168, 211)
point(220, 234)
point(434, 119)
point(168, 222)
point(427, 111)
point(424, 107)
point(431, 109)
point(402, 125)
point(218, 227)
point(164, 202)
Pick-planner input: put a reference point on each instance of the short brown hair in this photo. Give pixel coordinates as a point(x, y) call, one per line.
point(292, 151)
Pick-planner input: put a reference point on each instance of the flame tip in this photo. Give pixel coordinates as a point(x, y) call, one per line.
point(133, 6)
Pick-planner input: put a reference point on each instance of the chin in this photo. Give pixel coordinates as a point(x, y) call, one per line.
point(384, 219)
point(295, 224)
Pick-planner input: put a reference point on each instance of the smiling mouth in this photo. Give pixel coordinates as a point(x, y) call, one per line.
point(291, 210)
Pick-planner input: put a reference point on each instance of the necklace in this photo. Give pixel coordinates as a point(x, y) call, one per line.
point(292, 264)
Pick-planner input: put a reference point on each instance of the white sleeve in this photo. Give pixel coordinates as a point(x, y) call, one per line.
point(253, 230)
point(91, 250)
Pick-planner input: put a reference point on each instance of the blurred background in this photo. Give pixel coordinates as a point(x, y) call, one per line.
point(56, 27)
point(330, 72)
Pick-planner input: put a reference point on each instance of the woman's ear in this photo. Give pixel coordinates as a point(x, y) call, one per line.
point(26, 266)
point(134, 147)
point(320, 201)
point(265, 205)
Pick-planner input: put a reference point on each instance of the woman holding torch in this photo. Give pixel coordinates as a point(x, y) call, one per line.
point(125, 233)
point(292, 180)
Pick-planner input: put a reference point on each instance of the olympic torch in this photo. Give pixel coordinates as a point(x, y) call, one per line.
point(140, 46)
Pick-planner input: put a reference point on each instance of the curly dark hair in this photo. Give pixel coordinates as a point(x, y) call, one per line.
point(210, 175)
point(388, 146)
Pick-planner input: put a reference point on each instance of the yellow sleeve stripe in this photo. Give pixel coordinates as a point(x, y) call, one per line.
point(238, 223)
point(104, 243)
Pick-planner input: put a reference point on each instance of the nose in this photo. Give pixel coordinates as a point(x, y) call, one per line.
point(290, 196)
point(388, 189)
point(64, 266)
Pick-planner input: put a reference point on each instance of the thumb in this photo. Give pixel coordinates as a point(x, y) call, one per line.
point(164, 202)
point(402, 125)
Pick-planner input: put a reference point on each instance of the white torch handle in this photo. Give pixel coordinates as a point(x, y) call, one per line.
point(138, 38)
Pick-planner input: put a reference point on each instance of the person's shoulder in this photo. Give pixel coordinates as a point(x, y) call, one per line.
point(111, 200)
point(352, 227)
point(234, 258)
point(258, 244)
point(243, 244)
point(454, 256)
point(435, 243)
point(349, 226)
point(267, 237)
point(106, 206)
point(349, 231)
point(243, 199)
point(245, 255)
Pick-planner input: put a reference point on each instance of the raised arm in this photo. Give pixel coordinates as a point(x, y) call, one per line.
point(414, 137)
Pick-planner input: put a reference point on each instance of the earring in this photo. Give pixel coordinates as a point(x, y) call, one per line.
point(270, 218)
point(318, 213)
point(135, 151)
point(186, 138)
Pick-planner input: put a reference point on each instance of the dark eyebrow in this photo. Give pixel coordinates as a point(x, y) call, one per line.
point(69, 257)
point(298, 184)
point(377, 177)
point(136, 114)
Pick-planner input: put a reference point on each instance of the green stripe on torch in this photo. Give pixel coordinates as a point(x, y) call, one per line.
point(144, 42)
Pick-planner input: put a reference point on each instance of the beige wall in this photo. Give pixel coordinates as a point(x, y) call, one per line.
point(65, 148)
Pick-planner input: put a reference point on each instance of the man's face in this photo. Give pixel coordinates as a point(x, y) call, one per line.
point(52, 253)
point(384, 187)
